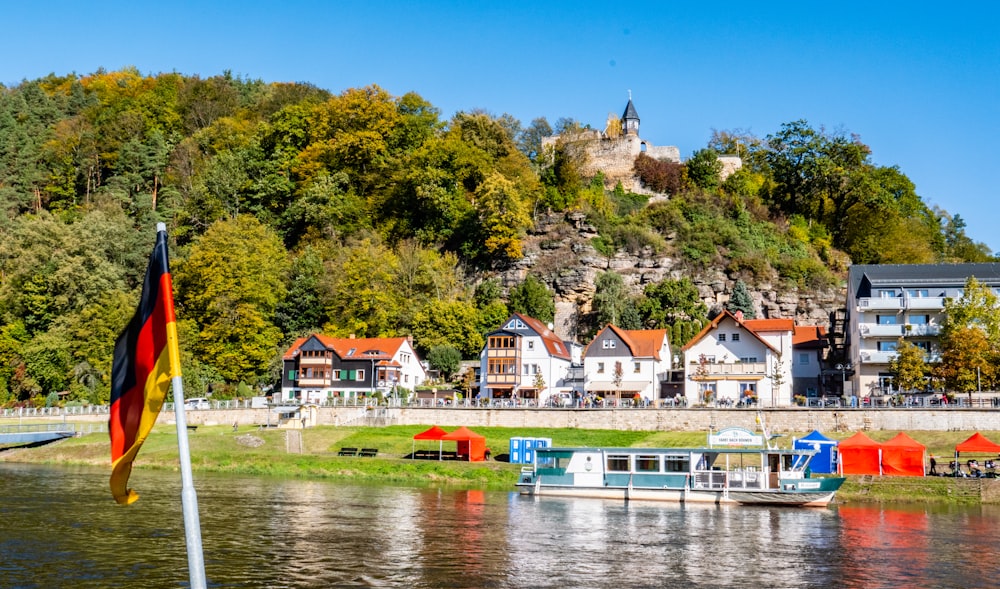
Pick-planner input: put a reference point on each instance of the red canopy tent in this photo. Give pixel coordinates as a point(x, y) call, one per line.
point(434, 433)
point(860, 454)
point(471, 446)
point(903, 456)
point(978, 443)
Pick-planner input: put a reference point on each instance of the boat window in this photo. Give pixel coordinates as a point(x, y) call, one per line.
point(677, 464)
point(618, 463)
point(647, 463)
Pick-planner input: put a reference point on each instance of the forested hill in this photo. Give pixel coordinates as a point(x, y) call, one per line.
point(293, 210)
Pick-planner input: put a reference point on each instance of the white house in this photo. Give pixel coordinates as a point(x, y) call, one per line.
point(620, 363)
point(732, 359)
point(808, 346)
point(526, 360)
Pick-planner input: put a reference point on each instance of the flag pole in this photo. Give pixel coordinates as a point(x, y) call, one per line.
point(189, 499)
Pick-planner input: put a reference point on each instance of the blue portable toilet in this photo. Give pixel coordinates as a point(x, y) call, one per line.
point(825, 461)
point(529, 450)
point(516, 451)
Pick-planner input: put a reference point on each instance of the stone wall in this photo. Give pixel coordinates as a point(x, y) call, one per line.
point(779, 420)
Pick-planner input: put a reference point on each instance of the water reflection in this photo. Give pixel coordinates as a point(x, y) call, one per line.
point(59, 528)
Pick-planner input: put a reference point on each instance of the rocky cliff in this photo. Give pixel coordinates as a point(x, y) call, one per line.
point(559, 251)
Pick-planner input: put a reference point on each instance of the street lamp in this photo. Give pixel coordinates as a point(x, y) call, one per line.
point(843, 368)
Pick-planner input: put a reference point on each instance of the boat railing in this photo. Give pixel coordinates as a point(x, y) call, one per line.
point(709, 479)
point(746, 479)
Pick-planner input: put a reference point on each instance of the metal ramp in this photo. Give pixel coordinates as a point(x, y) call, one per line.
point(37, 433)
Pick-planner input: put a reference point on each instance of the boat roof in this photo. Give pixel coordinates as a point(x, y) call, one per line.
point(701, 449)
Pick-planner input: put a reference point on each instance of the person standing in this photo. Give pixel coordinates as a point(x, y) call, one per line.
point(933, 470)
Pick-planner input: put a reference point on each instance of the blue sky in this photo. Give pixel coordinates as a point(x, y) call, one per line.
point(919, 83)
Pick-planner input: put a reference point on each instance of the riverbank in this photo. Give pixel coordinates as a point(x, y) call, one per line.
point(313, 453)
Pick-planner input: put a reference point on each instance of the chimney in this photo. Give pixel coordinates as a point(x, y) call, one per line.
point(739, 315)
point(352, 336)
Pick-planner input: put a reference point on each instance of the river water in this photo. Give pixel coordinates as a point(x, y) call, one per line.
point(59, 527)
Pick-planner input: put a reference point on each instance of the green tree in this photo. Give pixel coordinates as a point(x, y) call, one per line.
point(231, 286)
point(358, 290)
point(741, 300)
point(445, 359)
point(611, 300)
point(503, 218)
point(533, 298)
point(976, 307)
point(669, 302)
point(703, 169)
point(968, 360)
point(908, 367)
point(492, 309)
point(451, 323)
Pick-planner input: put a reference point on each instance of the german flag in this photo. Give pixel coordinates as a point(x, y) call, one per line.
point(146, 359)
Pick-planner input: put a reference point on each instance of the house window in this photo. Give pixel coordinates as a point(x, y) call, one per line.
point(361, 375)
point(600, 368)
point(803, 358)
point(608, 344)
point(748, 359)
point(917, 292)
point(722, 337)
point(736, 337)
point(500, 366)
point(501, 342)
point(925, 346)
point(920, 319)
point(636, 367)
point(886, 346)
point(531, 344)
point(887, 294)
point(885, 319)
point(748, 389)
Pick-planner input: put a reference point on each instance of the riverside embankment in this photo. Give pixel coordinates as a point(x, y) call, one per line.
point(314, 453)
point(778, 420)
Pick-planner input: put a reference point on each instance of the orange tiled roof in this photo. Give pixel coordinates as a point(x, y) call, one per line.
point(553, 344)
point(760, 325)
point(385, 346)
point(809, 336)
point(714, 323)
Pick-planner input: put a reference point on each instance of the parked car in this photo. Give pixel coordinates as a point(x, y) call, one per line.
point(197, 403)
point(560, 399)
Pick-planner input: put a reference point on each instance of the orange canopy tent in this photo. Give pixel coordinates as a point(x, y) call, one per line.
point(903, 456)
point(471, 446)
point(434, 433)
point(860, 454)
point(978, 443)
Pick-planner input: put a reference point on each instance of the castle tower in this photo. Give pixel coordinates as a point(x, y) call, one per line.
point(630, 120)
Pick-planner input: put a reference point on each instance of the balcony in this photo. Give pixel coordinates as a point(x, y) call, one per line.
point(723, 371)
point(925, 303)
point(880, 304)
point(877, 330)
point(877, 357)
point(900, 303)
point(907, 330)
point(921, 329)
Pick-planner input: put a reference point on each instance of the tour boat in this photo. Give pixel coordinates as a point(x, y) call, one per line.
point(717, 474)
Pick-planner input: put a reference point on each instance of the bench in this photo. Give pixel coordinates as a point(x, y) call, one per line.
point(348, 452)
point(192, 428)
point(368, 452)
